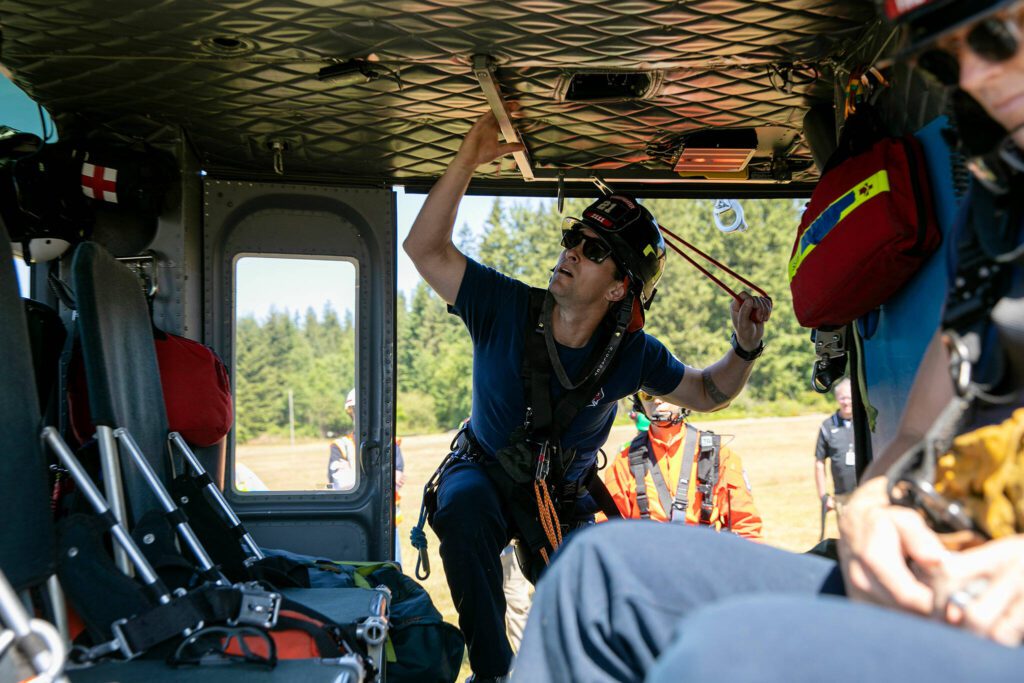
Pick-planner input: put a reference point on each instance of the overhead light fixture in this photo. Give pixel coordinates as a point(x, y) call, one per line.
point(608, 86)
point(717, 151)
point(713, 160)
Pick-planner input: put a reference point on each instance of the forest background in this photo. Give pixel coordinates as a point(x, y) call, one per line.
point(312, 352)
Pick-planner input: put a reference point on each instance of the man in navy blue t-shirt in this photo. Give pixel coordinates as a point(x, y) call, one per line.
point(605, 276)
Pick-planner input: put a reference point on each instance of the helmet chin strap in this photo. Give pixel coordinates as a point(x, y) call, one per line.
point(667, 418)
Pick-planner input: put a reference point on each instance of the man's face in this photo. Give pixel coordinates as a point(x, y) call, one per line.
point(658, 410)
point(997, 85)
point(844, 397)
point(578, 278)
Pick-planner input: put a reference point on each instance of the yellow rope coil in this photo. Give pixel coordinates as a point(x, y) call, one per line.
point(984, 471)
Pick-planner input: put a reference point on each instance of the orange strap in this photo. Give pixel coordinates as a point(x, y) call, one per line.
point(548, 517)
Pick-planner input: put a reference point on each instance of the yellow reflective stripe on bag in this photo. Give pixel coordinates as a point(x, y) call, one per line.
point(834, 214)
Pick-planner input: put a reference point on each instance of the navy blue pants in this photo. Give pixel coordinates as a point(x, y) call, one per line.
point(473, 527)
point(635, 601)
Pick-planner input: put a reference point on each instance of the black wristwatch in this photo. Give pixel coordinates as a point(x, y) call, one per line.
point(742, 352)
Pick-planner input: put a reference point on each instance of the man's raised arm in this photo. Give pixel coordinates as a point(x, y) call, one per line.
point(429, 243)
point(714, 387)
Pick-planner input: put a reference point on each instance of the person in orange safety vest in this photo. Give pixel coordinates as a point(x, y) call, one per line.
point(645, 482)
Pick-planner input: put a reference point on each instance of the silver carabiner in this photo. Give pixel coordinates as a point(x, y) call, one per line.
point(728, 215)
point(960, 366)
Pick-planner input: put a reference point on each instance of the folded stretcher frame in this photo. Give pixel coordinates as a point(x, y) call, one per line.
point(246, 604)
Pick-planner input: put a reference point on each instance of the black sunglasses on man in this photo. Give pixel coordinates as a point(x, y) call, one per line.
point(594, 248)
point(995, 39)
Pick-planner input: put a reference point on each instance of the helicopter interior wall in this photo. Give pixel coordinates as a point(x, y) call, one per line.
point(244, 219)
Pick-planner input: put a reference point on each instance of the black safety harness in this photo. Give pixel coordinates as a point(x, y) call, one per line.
point(534, 455)
point(529, 472)
point(642, 461)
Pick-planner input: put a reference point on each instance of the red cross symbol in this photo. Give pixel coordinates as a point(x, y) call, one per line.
point(99, 182)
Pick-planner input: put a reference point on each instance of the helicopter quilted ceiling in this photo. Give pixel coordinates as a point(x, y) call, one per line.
point(235, 75)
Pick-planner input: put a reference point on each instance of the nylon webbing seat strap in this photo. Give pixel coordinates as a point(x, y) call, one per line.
point(664, 495)
point(707, 473)
point(535, 449)
point(637, 461)
point(243, 604)
point(540, 356)
point(599, 492)
point(682, 500)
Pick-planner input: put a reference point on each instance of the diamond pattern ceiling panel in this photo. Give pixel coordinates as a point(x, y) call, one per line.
point(234, 75)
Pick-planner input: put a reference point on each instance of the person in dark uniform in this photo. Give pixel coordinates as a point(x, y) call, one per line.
point(519, 470)
point(835, 444)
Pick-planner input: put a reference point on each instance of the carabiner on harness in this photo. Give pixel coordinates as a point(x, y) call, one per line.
point(418, 537)
point(543, 464)
point(911, 478)
point(960, 365)
point(831, 351)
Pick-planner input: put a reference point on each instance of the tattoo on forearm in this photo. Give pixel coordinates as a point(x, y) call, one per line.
point(712, 389)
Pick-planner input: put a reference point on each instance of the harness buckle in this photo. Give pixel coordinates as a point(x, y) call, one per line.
point(678, 510)
point(258, 607)
point(118, 644)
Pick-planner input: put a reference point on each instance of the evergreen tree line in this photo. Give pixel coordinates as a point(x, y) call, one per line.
point(690, 314)
point(310, 356)
point(313, 356)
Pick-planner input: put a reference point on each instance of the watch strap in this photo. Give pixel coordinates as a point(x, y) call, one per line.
point(743, 353)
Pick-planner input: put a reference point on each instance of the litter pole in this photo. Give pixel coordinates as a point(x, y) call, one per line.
point(211, 488)
point(176, 516)
point(145, 570)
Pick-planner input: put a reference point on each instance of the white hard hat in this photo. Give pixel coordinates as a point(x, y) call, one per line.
point(350, 400)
